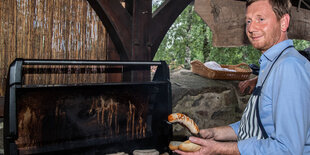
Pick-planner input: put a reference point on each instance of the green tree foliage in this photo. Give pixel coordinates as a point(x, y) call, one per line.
point(301, 44)
point(189, 38)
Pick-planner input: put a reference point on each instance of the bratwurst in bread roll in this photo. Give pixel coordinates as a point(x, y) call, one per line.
point(186, 146)
point(174, 145)
point(185, 120)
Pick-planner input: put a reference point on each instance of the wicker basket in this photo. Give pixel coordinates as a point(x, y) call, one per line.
point(243, 71)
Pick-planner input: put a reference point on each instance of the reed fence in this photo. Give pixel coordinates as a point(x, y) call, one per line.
point(50, 29)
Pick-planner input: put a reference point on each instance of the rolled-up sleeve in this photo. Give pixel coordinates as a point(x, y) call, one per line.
point(235, 126)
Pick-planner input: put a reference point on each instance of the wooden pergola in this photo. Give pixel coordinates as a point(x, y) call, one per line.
point(137, 32)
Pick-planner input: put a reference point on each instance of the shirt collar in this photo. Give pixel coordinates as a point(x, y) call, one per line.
point(275, 50)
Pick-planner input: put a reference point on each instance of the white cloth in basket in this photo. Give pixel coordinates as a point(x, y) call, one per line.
point(215, 66)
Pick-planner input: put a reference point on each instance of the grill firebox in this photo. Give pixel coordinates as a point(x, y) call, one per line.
point(91, 118)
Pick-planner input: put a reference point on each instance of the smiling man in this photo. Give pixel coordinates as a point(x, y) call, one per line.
point(277, 117)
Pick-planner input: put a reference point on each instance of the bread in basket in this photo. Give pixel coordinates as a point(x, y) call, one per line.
point(243, 71)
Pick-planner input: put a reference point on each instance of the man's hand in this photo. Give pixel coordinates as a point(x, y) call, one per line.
point(207, 133)
point(213, 142)
point(208, 147)
point(222, 133)
point(211, 147)
point(243, 85)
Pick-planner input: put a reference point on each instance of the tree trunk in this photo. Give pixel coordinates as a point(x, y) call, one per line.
point(206, 48)
point(188, 37)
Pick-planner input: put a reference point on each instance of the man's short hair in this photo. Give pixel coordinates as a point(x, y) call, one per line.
point(279, 7)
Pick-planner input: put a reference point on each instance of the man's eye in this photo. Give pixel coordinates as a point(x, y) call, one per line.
point(248, 22)
point(261, 19)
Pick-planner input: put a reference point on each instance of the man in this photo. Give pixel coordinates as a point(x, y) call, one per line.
point(280, 122)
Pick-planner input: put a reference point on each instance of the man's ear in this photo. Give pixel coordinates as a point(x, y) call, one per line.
point(285, 22)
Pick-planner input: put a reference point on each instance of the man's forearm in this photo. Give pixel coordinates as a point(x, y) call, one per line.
point(224, 133)
point(228, 148)
point(210, 146)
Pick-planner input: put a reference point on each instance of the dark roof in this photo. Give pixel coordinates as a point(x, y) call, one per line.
point(301, 3)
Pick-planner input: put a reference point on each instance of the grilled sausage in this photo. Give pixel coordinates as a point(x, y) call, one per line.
point(185, 120)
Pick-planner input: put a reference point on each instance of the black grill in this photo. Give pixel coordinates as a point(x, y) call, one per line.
point(87, 118)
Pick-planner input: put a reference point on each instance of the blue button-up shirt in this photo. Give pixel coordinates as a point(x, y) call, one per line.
point(284, 106)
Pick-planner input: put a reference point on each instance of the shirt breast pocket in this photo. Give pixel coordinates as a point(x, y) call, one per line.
point(265, 106)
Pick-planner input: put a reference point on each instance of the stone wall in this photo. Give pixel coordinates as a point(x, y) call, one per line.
point(208, 102)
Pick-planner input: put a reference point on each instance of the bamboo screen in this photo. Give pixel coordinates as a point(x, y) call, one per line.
point(50, 29)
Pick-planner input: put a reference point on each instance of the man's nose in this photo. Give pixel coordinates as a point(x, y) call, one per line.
point(251, 27)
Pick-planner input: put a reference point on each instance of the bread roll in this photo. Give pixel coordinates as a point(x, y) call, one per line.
point(188, 146)
point(174, 145)
point(118, 153)
point(185, 120)
point(146, 152)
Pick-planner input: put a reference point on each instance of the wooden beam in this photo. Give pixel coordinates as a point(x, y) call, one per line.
point(162, 20)
point(129, 6)
point(1, 107)
point(299, 24)
point(118, 23)
point(141, 19)
point(112, 55)
point(308, 6)
point(226, 20)
point(142, 16)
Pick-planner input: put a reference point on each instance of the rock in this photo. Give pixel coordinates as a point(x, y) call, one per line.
point(208, 102)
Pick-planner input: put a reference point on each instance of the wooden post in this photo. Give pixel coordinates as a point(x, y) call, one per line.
point(142, 16)
point(112, 55)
